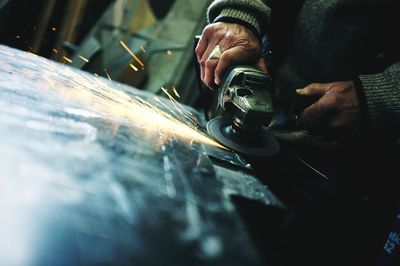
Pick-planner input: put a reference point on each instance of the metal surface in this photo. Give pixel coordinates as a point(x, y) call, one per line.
point(91, 173)
point(261, 143)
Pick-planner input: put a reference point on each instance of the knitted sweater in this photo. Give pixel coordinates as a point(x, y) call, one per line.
point(326, 41)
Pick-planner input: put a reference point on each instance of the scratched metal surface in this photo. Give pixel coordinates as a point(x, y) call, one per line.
point(89, 178)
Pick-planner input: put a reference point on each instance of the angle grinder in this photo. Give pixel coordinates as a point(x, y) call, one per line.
point(245, 96)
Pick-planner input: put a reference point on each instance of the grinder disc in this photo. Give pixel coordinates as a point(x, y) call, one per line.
point(262, 143)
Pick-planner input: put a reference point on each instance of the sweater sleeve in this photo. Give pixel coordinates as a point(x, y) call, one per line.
point(382, 99)
point(254, 14)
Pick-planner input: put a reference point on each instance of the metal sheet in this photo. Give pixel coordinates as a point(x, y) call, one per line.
point(92, 174)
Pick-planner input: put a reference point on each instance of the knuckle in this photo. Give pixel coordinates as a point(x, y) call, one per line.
point(209, 63)
point(197, 49)
point(229, 37)
point(332, 103)
point(226, 57)
point(207, 29)
point(219, 35)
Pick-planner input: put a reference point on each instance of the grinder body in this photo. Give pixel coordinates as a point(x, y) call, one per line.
point(245, 94)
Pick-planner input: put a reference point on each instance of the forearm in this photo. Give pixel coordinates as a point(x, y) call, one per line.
point(382, 98)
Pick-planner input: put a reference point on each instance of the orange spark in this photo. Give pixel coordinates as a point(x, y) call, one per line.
point(180, 109)
point(175, 92)
point(131, 53)
point(143, 50)
point(55, 50)
point(17, 36)
point(53, 29)
point(67, 59)
point(133, 67)
point(83, 58)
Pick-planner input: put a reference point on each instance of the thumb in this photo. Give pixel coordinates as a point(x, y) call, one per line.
point(314, 89)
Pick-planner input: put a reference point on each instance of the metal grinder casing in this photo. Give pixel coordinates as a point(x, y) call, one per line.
point(246, 95)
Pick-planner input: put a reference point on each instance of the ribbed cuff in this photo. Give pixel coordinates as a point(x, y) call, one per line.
point(382, 97)
point(241, 17)
point(362, 102)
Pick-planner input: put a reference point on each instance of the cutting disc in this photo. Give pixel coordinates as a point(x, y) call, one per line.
point(260, 144)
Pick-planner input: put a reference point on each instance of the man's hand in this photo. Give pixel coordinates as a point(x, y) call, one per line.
point(337, 108)
point(238, 45)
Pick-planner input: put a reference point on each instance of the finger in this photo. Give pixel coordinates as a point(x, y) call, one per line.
point(206, 44)
point(202, 44)
point(203, 61)
point(213, 38)
point(313, 115)
point(205, 64)
point(233, 56)
point(209, 70)
point(315, 89)
point(262, 65)
point(201, 47)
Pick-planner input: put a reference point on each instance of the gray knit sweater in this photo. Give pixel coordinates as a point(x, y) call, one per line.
point(327, 41)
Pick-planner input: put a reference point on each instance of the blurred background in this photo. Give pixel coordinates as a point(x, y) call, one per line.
point(147, 44)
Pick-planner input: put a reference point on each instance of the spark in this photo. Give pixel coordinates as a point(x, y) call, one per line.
point(180, 109)
point(167, 93)
point(133, 67)
point(96, 74)
point(17, 36)
point(100, 97)
point(108, 75)
point(55, 50)
point(131, 53)
point(152, 107)
point(169, 52)
point(312, 168)
point(67, 59)
point(83, 58)
point(175, 92)
point(143, 50)
point(53, 29)
point(163, 104)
